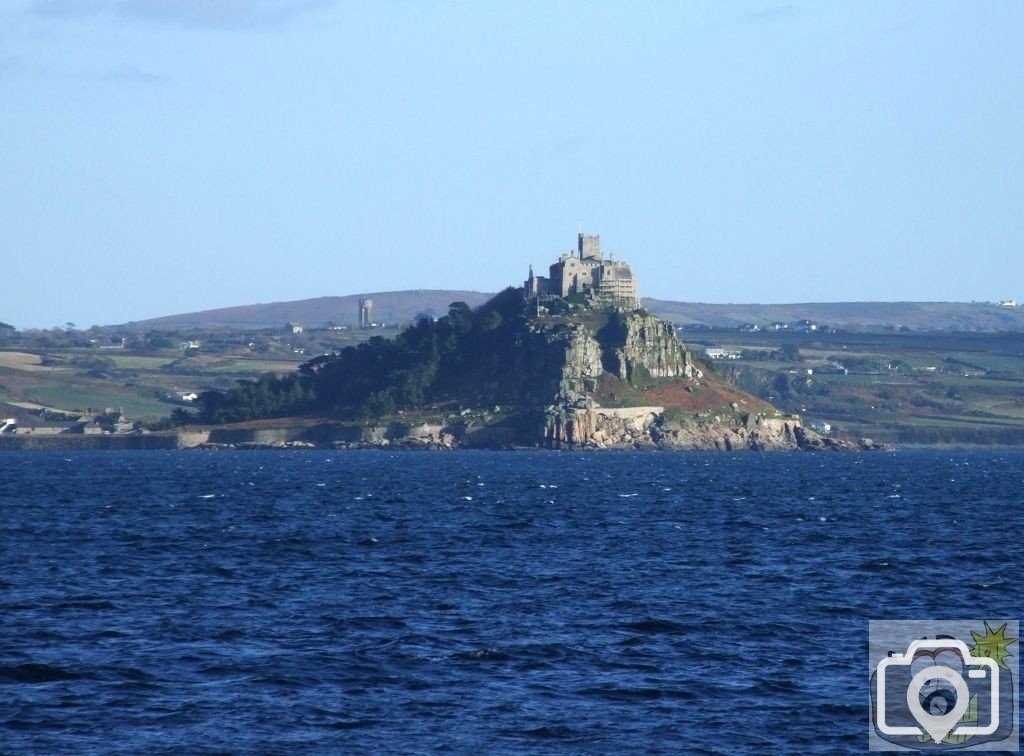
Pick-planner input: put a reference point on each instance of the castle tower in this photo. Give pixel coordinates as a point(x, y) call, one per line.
point(589, 247)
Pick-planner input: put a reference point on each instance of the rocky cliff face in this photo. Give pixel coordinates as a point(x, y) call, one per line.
point(642, 346)
point(560, 361)
point(599, 427)
point(581, 364)
point(650, 428)
point(753, 432)
point(640, 350)
point(549, 363)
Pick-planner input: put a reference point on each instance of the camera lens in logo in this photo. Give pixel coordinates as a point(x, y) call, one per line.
point(938, 726)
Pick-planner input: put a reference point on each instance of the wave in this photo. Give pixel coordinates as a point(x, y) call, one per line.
point(655, 626)
point(35, 672)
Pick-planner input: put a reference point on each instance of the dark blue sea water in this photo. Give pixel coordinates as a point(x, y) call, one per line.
point(284, 602)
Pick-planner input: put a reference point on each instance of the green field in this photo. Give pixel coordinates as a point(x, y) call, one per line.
point(98, 397)
point(144, 386)
point(254, 366)
point(899, 387)
point(139, 362)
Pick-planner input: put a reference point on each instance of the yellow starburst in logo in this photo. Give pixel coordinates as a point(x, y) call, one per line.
point(993, 644)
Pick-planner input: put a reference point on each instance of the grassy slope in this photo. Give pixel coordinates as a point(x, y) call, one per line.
point(140, 384)
point(24, 379)
point(713, 393)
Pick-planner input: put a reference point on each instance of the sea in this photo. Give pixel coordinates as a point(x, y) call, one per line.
point(487, 602)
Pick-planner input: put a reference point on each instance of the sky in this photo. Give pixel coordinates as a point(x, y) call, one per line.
point(159, 157)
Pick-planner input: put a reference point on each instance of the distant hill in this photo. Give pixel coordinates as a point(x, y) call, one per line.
point(403, 306)
point(388, 307)
point(927, 316)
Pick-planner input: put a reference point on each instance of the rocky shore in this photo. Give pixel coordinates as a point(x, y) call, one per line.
point(632, 428)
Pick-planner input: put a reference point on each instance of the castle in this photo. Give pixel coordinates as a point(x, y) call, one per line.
point(585, 272)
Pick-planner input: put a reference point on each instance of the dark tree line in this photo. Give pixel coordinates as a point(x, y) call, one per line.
point(428, 361)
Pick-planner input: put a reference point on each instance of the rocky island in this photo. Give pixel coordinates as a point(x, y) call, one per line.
point(567, 361)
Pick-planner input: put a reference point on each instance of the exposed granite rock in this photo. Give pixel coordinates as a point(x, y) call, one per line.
point(557, 363)
point(754, 432)
point(560, 361)
point(550, 361)
point(582, 362)
point(649, 428)
point(640, 346)
point(809, 440)
point(599, 427)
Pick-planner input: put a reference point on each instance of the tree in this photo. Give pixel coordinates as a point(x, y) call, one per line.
point(491, 320)
point(7, 333)
point(427, 361)
point(782, 385)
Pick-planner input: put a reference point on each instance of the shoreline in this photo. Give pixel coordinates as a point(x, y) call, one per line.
point(279, 440)
point(629, 429)
point(169, 442)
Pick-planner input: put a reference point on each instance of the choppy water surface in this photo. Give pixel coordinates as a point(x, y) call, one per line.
point(317, 601)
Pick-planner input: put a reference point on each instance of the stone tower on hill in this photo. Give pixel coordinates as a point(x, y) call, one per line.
point(365, 312)
point(585, 272)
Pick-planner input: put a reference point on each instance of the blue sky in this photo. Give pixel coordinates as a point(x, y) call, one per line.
point(165, 156)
